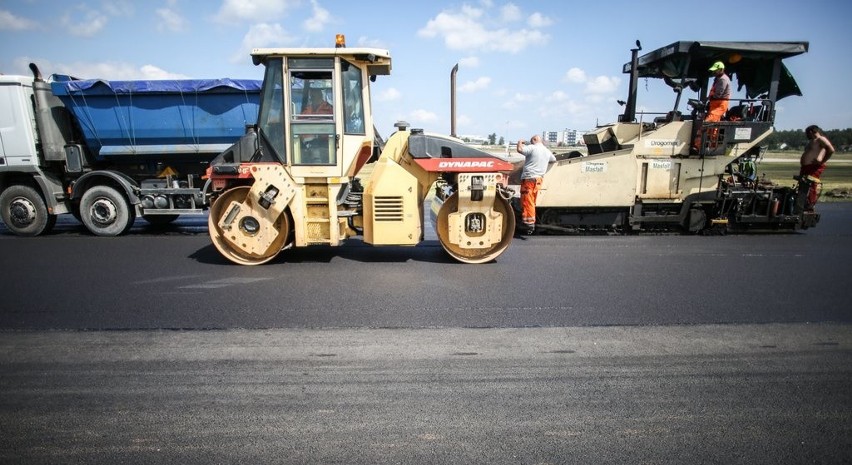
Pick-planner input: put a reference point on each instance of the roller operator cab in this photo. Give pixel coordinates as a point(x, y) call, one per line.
point(293, 181)
point(671, 169)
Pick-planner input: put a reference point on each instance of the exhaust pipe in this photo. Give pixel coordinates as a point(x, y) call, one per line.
point(36, 73)
point(453, 100)
point(630, 109)
point(52, 120)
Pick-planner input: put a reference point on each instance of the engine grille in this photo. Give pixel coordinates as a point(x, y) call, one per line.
point(388, 209)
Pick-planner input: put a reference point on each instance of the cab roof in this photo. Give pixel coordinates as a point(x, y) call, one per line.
point(378, 61)
point(752, 62)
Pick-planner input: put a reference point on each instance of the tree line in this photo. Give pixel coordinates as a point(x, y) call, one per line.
point(795, 139)
point(779, 140)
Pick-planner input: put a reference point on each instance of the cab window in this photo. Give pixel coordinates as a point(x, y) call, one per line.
point(271, 115)
point(353, 101)
point(312, 132)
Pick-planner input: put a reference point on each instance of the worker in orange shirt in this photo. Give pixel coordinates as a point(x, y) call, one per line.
point(315, 148)
point(720, 94)
point(317, 105)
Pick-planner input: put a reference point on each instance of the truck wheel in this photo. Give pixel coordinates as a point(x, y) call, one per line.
point(24, 211)
point(105, 212)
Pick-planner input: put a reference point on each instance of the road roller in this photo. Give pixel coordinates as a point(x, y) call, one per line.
point(293, 179)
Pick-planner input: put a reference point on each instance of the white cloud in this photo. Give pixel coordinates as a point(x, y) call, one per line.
point(519, 99)
point(364, 41)
point(559, 96)
point(153, 72)
point(594, 85)
point(11, 22)
point(510, 13)
point(423, 116)
point(477, 85)
point(259, 36)
point(389, 95)
point(109, 70)
point(252, 10)
point(118, 8)
point(538, 20)
point(84, 22)
point(318, 20)
point(466, 30)
point(599, 98)
point(603, 85)
point(575, 75)
point(468, 10)
point(469, 62)
point(170, 20)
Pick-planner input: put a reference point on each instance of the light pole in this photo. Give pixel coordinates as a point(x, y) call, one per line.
point(506, 135)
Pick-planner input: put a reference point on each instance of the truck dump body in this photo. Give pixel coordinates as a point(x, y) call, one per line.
point(120, 118)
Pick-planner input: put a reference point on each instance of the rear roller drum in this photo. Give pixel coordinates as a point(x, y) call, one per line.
point(225, 240)
point(475, 255)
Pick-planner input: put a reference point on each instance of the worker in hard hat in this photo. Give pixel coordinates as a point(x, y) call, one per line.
point(720, 94)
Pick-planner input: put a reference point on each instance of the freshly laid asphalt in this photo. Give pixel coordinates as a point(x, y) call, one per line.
point(775, 393)
point(151, 348)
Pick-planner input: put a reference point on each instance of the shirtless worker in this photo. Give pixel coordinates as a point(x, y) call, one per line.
point(817, 152)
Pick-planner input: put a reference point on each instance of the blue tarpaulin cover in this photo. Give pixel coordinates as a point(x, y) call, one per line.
point(62, 87)
point(159, 117)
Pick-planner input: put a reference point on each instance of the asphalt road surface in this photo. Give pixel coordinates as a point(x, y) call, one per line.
point(150, 348)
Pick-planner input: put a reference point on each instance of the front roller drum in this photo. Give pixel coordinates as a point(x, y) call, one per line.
point(460, 234)
point(235, 243)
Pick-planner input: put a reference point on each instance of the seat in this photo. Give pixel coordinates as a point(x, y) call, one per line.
point(737, 113)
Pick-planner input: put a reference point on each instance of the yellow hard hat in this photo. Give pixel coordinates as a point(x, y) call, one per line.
point(717, 66)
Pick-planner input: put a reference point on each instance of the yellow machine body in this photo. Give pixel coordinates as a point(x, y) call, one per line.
point(299, 187)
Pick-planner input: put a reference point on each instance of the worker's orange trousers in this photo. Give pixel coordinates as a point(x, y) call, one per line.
point(715, 113)
point(717, 110)
point(529, 194)
point(815, 170)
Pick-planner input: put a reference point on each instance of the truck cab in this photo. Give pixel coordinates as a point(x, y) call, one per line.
point(17, 128)
point(31, 192)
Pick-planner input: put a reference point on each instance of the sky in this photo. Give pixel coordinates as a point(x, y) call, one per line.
point(525, 66)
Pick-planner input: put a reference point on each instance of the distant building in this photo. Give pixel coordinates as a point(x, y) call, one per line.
point(475, 140)
point(550, 137)
point(569, 137)
point(566, 137)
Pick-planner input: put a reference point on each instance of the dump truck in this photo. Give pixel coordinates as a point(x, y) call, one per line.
point(294, 181)
point(110, 151)
point(670, 170)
